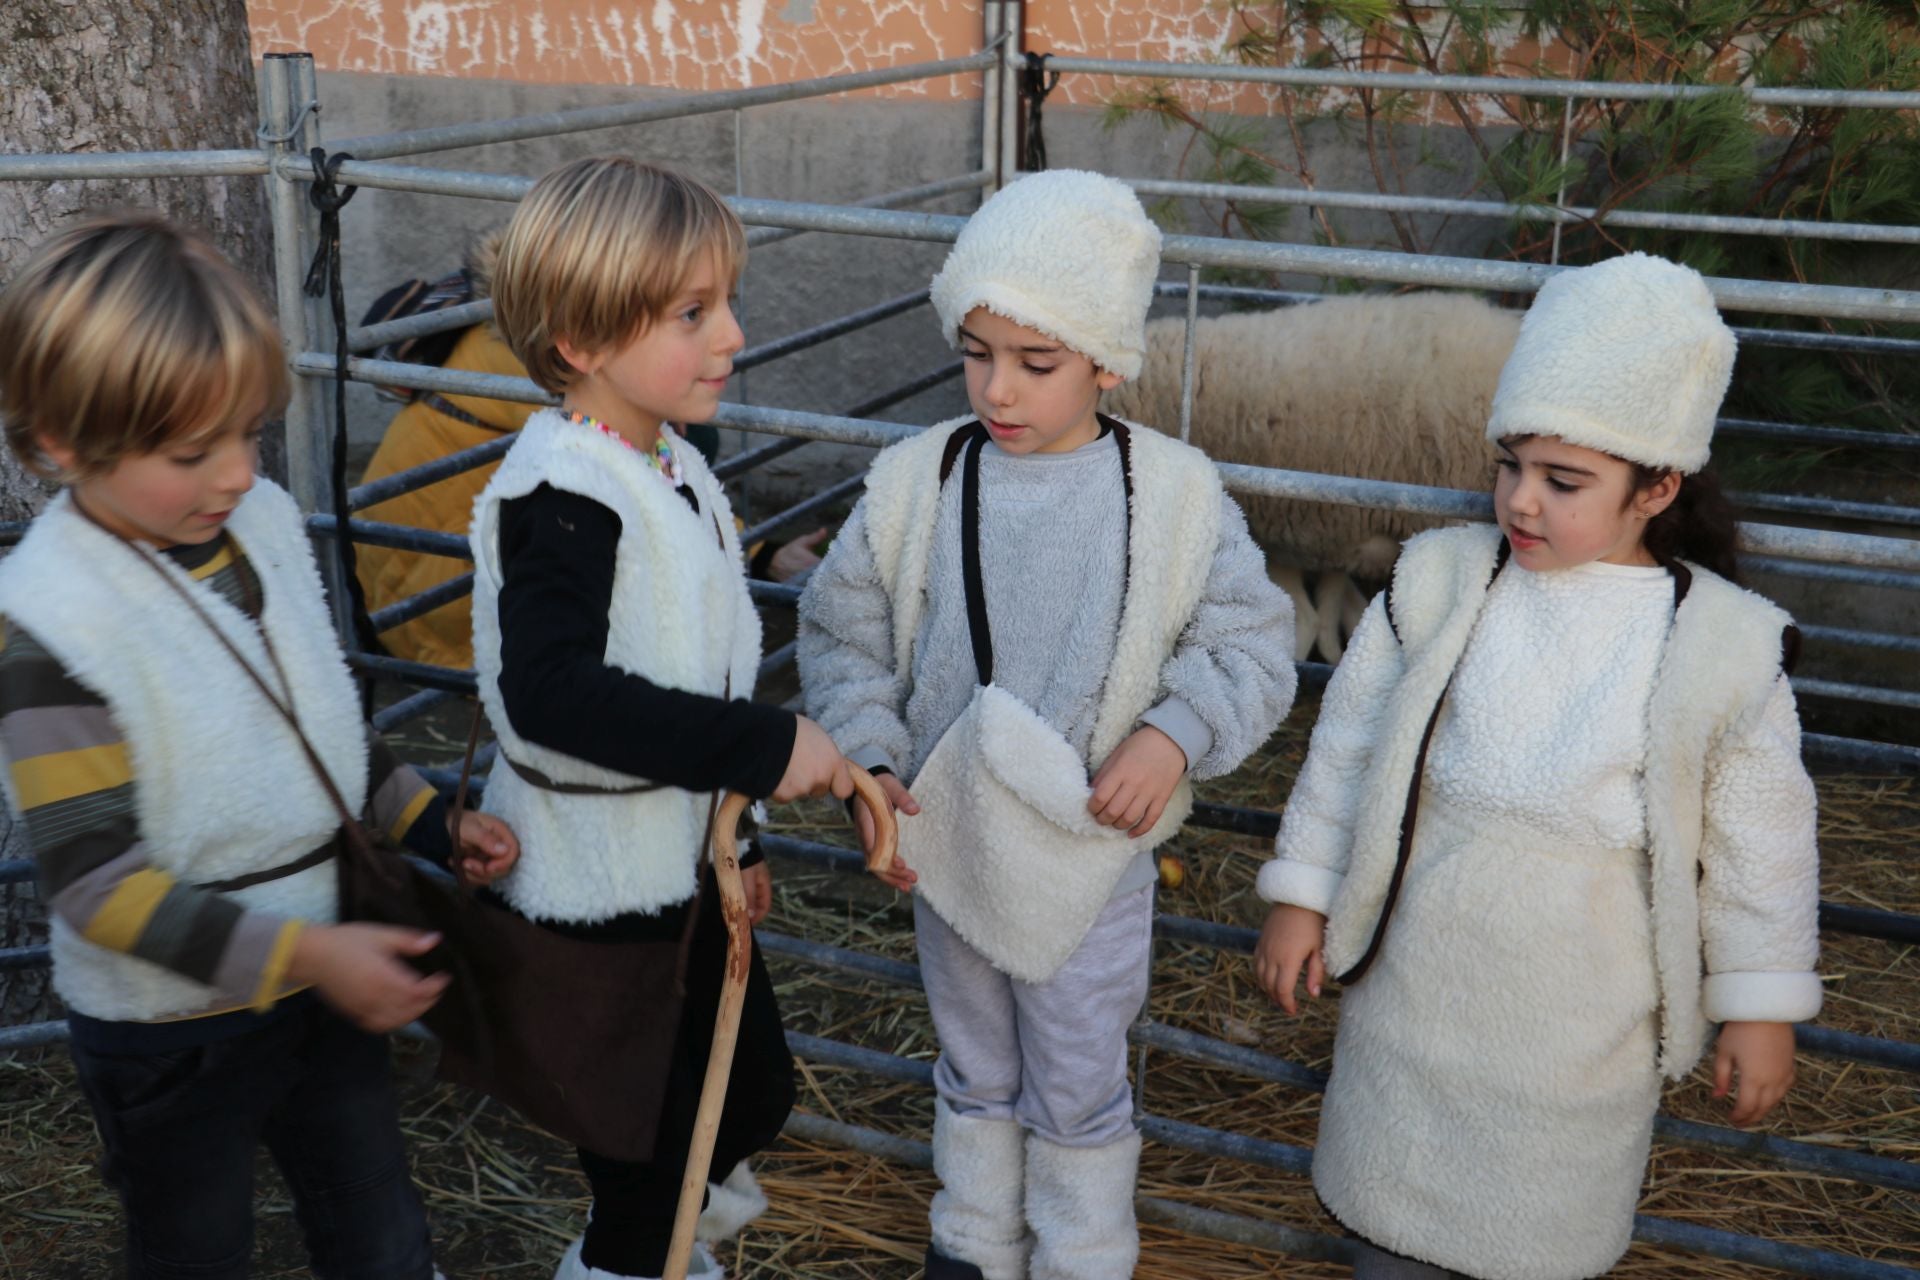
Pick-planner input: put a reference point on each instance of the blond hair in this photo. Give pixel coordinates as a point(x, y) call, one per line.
point(597, 252)
point(123, 334)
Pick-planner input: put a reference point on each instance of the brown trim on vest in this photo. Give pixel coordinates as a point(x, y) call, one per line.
point(1410, 817)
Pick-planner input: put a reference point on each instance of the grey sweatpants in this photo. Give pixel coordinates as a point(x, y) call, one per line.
point(1051, 1056)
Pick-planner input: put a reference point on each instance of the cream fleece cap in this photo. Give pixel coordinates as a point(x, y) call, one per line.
point(1069, 253)
point(1628, 356)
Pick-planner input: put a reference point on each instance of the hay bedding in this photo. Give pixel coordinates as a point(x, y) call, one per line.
point(505, 1197)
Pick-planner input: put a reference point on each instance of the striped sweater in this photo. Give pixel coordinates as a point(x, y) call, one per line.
point(73, 780)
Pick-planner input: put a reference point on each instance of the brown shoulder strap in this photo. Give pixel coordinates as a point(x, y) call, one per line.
point(956, 442)
point(347, 817)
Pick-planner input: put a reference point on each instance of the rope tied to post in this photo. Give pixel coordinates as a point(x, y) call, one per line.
point(324, 277)
point(1035, 84)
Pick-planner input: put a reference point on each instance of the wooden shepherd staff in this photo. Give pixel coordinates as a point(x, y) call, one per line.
point(726, 1027)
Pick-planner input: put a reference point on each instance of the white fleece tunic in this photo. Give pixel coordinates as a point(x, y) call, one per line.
point(1495, 1074)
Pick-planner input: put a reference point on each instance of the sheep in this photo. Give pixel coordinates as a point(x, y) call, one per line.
point(1390, 388)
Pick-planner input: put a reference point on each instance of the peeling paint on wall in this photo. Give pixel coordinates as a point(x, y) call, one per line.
point(680, 44)
point(699, 45)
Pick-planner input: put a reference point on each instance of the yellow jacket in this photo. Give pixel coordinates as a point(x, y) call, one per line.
point(418, 434)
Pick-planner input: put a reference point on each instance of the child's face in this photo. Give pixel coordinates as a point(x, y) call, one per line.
point(182, 492)
point(1033, 394)
point(1563, 505)
point(674, 371)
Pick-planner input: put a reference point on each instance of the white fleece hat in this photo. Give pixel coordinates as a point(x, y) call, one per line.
point(1628, 356)
point(1069, 253)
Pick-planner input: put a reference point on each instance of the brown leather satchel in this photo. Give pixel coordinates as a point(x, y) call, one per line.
point(576, 1035)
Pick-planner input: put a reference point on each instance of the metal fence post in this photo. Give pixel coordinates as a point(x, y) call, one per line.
point(1187, 352)
point(992, 29)
point(1013, 24)
point(290, 127)
point(1560, 200)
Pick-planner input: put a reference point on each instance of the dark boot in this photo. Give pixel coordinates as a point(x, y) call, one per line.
point(941, 1267)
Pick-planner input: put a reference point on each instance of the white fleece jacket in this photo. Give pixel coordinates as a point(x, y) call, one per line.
point(1729, 809)
point(680, 616)
point(224, 788)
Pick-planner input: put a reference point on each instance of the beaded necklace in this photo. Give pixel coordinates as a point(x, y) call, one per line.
point(662, 455)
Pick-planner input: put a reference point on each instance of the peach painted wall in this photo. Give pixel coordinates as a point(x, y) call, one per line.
point(689, 45)
point(700, 45)
point(715, 44)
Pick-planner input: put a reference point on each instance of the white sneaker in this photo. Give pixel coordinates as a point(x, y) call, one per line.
point(731, 1205)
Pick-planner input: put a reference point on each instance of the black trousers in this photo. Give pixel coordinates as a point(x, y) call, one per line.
point(181, 1129)
point(633, 1202)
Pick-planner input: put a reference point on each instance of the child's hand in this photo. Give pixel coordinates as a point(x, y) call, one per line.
point(1133, 786)
point(1292, 937)
point(1754, 1062)
point(816, 766)
point(796, 557)
point(484, 849)
point(360, 970)
point(900, 876)
point(756, 882)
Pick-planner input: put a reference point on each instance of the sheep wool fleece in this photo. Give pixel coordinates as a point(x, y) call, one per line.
point(680, 616)
point(1495, 1074)
point(196, 726)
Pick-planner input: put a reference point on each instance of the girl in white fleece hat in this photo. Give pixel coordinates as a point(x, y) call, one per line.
point(1026, 596)
point(1553, 823)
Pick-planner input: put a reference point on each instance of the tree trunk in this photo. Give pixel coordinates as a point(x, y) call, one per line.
point(115, 75)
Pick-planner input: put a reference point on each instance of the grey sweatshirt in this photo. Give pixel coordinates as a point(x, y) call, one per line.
point(1053, 531)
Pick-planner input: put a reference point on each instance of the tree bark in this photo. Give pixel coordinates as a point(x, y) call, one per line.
point(115, 75)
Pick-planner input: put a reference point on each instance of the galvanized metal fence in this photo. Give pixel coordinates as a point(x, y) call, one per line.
point(290, 128)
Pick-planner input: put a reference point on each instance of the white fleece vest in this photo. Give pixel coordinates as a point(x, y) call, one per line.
point(221, 786)
point(1009, 855)
point(1720, 662)
point(680, 617)
point(1173, 528)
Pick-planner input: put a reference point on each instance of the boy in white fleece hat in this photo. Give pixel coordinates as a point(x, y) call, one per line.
point(1026, 596)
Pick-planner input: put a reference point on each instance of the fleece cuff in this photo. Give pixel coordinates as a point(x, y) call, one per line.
point(1760, 997)
point(1298, 884)
point(871, 759)
point(1179, 721)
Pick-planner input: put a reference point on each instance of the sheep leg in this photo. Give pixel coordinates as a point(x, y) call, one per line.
point(1306, 618)
point(1353, 603)
point(1330, 600)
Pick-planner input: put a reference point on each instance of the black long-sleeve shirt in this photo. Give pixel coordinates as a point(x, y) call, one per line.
point(558, 552)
